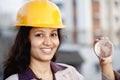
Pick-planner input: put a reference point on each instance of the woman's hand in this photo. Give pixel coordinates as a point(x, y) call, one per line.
point(104, 48)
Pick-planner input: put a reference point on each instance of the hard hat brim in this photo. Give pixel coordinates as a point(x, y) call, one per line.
point(42, 25)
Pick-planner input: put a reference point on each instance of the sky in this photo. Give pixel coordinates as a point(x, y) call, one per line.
point(8, 11)
point(10, 5)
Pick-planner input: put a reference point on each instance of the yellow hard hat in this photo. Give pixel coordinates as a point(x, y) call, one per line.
point(39, 13)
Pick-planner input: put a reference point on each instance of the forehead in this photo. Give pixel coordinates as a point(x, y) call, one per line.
point(43, 29)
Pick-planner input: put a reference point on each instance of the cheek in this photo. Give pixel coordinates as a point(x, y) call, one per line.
point(35, 42)
point(57, 42)
point(33, 46)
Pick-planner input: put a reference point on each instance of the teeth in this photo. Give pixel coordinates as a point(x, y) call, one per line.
point(46, 50)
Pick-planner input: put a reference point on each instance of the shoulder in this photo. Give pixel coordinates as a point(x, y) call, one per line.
point(67, 66)
point(13, 77)
point(71, 71)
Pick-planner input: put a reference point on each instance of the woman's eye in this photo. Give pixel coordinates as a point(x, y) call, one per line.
point(54, 34)
point(39, 35)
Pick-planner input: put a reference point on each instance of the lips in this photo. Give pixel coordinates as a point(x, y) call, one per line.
point(47, 50)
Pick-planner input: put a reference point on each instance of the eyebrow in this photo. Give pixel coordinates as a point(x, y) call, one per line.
point(44, 31)
point(38, 30)
point(54, 30)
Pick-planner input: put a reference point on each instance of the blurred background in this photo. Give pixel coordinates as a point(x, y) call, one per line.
point(86, 20)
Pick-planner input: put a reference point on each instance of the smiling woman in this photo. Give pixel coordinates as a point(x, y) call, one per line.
point(34, 51)
point(36, 46)
point(33, 54)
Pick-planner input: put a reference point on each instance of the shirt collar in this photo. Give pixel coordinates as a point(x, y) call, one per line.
point(28, 73)
point(56, 67)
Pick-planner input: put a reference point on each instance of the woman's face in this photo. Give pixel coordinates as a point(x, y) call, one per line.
point(44, 43)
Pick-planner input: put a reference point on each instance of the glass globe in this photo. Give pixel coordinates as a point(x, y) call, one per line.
point(103, 48)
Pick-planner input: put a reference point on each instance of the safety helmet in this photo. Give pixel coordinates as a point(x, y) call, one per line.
point(39, 13)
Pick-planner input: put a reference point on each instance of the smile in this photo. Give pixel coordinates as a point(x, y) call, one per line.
point(48, 50)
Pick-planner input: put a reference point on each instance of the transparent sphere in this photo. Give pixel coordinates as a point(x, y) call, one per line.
point(103, 48)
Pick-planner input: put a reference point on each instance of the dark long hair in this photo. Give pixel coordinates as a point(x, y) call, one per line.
point(19, 55)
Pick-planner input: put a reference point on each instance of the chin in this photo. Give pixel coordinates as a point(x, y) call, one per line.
point(47, 59)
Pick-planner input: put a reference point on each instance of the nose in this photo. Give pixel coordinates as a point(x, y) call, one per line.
point(47, 41)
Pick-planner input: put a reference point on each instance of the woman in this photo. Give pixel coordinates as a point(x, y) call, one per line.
point(33, 54)
point(34, 51)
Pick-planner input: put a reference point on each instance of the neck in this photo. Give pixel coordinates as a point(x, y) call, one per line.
point(40, 67)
